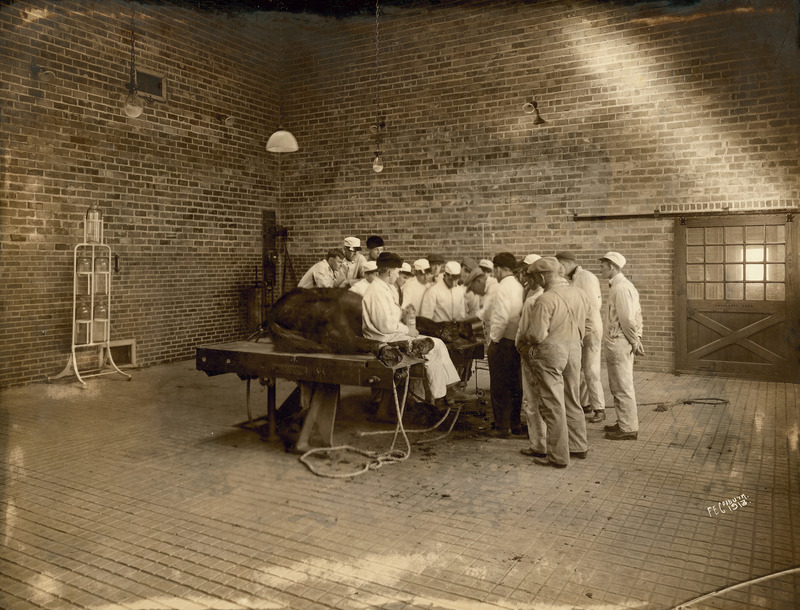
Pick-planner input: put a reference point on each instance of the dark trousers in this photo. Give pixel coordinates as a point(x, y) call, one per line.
point(505, 384)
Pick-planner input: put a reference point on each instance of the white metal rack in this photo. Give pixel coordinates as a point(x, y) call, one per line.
point(91, 302)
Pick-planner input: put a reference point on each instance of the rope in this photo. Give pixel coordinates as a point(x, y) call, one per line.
point(754, 581)
point(375, 460)
point(664, 406)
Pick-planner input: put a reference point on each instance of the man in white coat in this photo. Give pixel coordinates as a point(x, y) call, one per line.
point(382, 322)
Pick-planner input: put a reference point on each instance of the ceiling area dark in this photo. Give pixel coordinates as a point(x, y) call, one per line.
point(327, 8)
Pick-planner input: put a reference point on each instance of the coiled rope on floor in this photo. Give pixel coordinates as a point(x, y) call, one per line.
point(665, 406)
point(375, 459)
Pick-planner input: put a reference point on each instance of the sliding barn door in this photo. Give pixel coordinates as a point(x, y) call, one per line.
point(736, 285)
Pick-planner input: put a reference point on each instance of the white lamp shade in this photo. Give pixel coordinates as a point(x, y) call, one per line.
point(282, 141)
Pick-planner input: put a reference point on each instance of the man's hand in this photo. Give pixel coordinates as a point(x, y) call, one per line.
point(413, 332)
point(637, 349)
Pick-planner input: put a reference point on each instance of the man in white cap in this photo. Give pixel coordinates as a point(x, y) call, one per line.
point(352, 267)
point(323, 273)
point(382, 321)
point(360, 287)
point(622, 340)
point(415, 287)
point(443, 301)
point(558, 322)
point(405, 274)
point(593, 400)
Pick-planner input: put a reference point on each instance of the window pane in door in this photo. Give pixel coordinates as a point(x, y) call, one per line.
point(776, 234)
point(754, 234)
point(714, 273)
point(776, 253)
point(714, 235)
point(734, 254)
point(714, 254)
point(695, 235)
point(754, 273)
point(754, 292)
point(734, 292)
point(776, 292)
point(695, 254)
point(715, 292)
point(734, 273)
point(694, 273)
point(734, 235)
point(776, 273)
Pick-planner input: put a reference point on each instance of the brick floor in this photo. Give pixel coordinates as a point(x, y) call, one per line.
point(145, 494)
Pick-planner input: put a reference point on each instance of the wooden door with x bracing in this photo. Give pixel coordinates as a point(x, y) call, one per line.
point(736, 287)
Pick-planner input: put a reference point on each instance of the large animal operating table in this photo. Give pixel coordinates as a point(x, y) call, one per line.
point(318, 376)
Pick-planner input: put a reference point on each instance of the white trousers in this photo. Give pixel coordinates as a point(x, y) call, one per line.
point(439, 369)
point(619, 362)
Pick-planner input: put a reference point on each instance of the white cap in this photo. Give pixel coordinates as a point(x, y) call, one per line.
point(406, 268)
point(531, 258)
point(614, 257)
point(485, 262)
point(370, 266)
point(452, 268)
point(352, 242)
point(421, 264)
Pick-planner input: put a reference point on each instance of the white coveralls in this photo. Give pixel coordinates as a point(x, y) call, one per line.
point(558, 322)
point(591, 382)
point(381, 322)
point(537, 431)
point(623, 330)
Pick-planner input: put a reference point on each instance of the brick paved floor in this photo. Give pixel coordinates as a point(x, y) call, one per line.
point(144, 494)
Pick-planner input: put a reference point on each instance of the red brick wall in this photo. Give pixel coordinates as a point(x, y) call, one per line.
point(181, 192)
point(648, 107)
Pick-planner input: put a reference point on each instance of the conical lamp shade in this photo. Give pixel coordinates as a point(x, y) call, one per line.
point(282, 141)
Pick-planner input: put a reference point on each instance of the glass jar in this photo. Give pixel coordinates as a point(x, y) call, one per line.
point(101, 311)
point(101, 264)
point(85, 264)
point(83, 312)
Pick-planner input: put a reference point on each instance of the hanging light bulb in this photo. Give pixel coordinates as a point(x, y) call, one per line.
point(281, 141)
point(377, 164)
point(133, 103)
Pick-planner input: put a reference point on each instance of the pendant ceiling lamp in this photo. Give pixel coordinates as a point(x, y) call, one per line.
point(377, 163)
point(133, 102)
point(282, 140)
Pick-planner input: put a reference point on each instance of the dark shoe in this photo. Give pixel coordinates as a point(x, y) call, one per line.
point(499, 434)
point(587, 409)
point(546, 462)
point(581, 455)
point(599, 415)
point(528, 451)
point(611, 427)
point(519, 431)
point(619, 435)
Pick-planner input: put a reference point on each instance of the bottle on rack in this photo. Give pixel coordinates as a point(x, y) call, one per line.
point(100, 323)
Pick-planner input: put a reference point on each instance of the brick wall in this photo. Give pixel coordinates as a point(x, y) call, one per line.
point(181, 192)
point(679, 108)
point(647, 106)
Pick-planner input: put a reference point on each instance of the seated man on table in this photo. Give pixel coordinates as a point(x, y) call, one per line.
point(360, 287)
point(382, 322)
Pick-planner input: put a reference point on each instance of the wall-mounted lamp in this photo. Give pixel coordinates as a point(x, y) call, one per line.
point(42, 74)
point(226, 120)
point(532, 107)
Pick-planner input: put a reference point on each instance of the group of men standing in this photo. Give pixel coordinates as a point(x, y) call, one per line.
point(543, 326)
